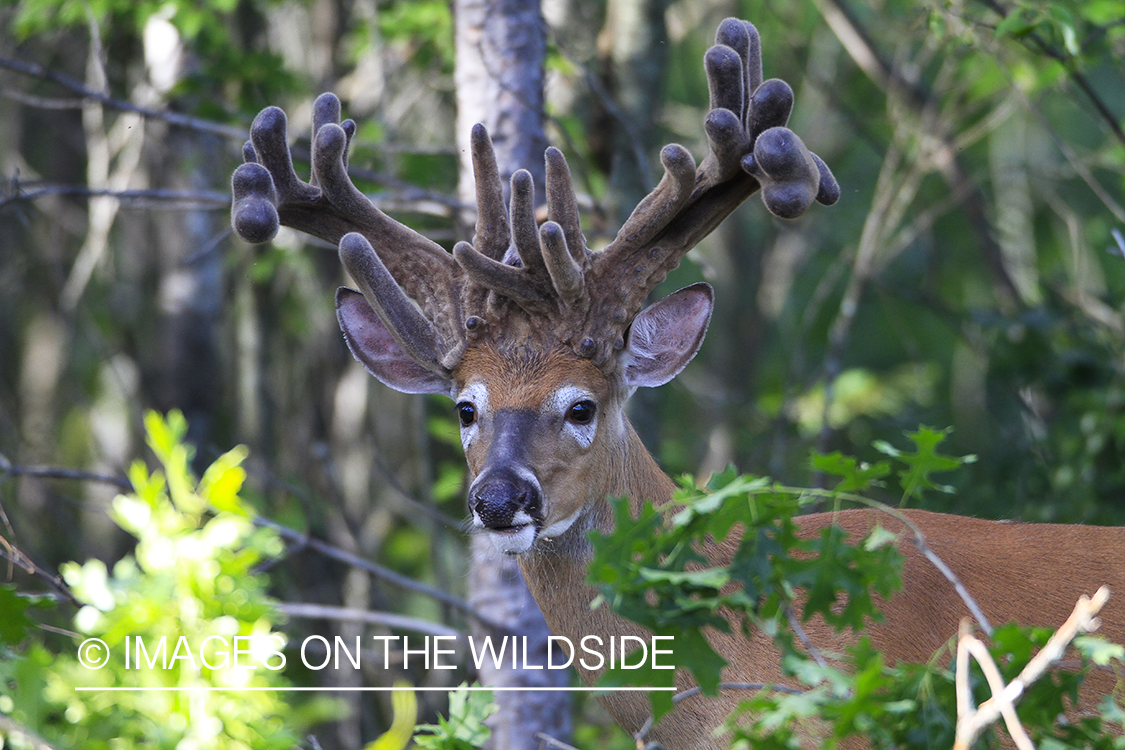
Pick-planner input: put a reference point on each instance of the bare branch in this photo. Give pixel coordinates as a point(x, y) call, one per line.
point(919, 540)
point(36, 70)
point(16, 557)
point(945, 570)
point(346, 614)
point(1033, 38)
point(411, 200)
point(335, 553)
point(693, 691)
point(188, 200)
point(795, 623)
point(550, 741)
point(970, 723)
point(7, 468)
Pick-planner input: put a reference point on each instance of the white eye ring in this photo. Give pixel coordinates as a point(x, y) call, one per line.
point(579, 410)
point(472, 406)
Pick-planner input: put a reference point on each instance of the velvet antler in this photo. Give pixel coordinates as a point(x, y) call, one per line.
point(435, 304)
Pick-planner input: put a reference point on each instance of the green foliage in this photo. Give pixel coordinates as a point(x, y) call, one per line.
point(426, 26)
point(649, 571)
point(1072, 32)
point(15, 623)
point(465, 728)
point(208, 28)
point(190, 594)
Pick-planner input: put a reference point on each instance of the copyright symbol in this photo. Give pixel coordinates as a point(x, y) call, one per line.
point(93, 653)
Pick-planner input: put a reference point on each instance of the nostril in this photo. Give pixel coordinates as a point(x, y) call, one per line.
point(503, 500)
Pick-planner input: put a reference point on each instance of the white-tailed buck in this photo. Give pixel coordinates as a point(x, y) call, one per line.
point(540, 341)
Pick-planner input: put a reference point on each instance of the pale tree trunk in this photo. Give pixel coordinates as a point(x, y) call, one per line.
point(499, 76)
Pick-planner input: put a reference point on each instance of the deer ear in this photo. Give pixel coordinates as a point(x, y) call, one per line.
point(373, 345)
point(664, 337)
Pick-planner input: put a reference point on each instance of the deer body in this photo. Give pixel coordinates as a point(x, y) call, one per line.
point(539, 341)
point(1028, 573)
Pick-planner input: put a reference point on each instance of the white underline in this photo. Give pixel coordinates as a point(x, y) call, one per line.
point(422, 689)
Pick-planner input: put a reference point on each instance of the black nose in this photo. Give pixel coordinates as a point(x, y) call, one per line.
point(499, 494)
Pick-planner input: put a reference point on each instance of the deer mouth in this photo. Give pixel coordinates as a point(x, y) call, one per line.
point(513, 540)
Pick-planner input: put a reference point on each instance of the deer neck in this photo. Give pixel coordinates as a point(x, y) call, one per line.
point(556, 569)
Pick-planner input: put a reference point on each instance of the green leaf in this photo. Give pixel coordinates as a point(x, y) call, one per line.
point(710, 578)
point(1016, 25)
point(1098, 649)
point(922, 462)
point(465, 728)
point(14, 622)
point(856, 476)
point(222, 481)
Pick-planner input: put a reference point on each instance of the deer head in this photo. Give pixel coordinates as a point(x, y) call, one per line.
point(538, 339)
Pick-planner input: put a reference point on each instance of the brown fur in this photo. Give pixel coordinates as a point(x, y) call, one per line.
point(1030, 573)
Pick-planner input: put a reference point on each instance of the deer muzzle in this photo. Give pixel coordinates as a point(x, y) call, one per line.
point(508, 505)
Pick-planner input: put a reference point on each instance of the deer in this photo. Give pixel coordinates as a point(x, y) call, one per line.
point(539, 341)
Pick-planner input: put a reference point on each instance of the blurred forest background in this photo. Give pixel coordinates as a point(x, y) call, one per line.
point(972, 275)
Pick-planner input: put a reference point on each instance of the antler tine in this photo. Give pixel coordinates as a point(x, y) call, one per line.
point(410, 328)
point(666, 200)
point(552, 260)
point(268, 193)
point(563, 245)
point(749, 148)
point(492, 232)
point(742, 37)
point(525, 227)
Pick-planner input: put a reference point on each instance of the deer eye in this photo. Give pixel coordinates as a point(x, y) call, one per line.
point(467, 413)
point(581, 412)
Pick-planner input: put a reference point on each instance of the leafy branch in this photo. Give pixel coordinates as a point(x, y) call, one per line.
point(650, 570)
point(298, 540)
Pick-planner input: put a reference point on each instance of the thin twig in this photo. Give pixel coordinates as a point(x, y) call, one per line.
point(15, 556)
point(348, 614)
point(549, 741)
point(173, 118)
point(945, 570)
point(411, 198)
point(919, 540)
point(1120, 240)
point(1067, 63)
point(184, 199)
point(814, 652)
point(693, 691)
point(7, 468)
point(408, 201)
point(375, 569)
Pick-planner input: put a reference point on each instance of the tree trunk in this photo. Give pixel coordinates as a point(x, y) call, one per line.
point(499, 77)
point(632, 50)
